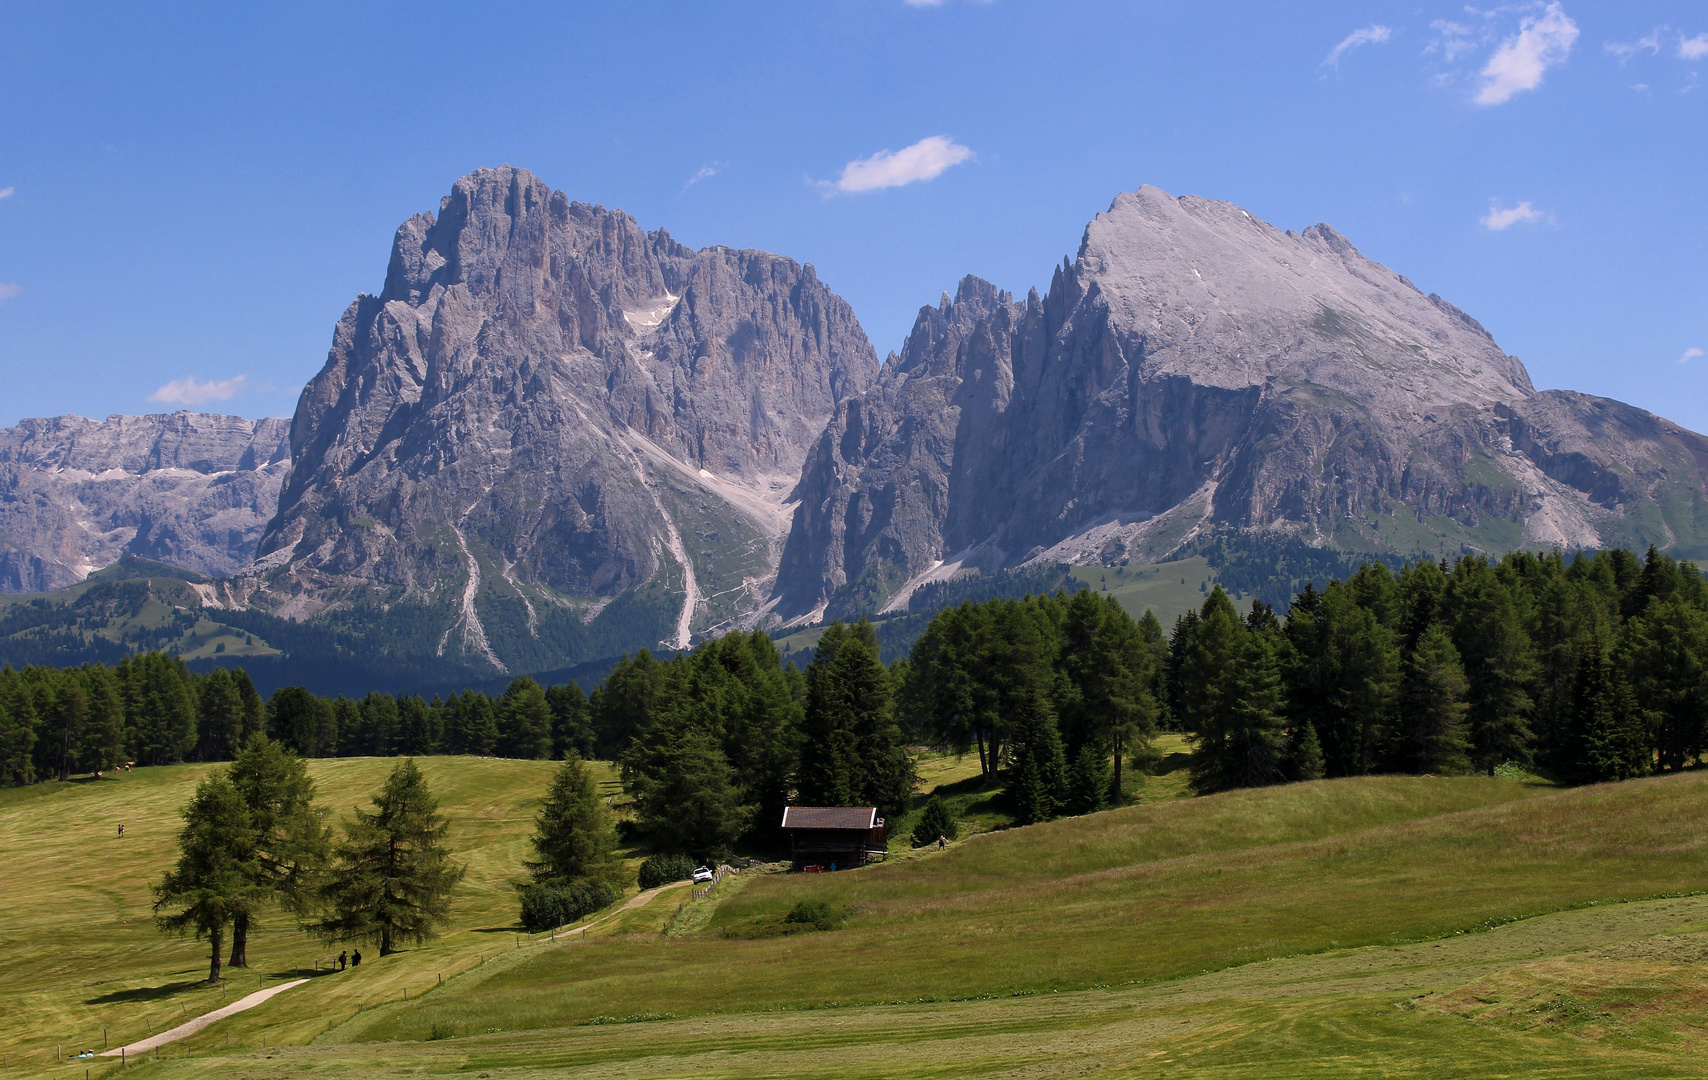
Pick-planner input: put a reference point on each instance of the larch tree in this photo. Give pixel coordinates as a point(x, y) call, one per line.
point(291, 842)
point(210, 886)
point(394, 876)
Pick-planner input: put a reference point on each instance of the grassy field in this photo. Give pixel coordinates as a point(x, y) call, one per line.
point(1393, 926)
point(1170, 589)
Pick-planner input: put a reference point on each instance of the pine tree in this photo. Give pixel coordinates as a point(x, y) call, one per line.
point(686, 795)
point(1606, 736)
point(1087, 782)
point(1431, 735)
point(1037, 775)
point(1499, 663)
point(524, 721)
point(1666, 652)
point(208, 886)
point(394, 876)
point(291, 841)
point(17, 731)
point(1232, 696)
point(573, 835)
point(220, 724)
point(938, 820)
point(572, 731)
point(621, 707)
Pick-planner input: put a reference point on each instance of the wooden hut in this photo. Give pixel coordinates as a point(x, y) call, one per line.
point(840, 837)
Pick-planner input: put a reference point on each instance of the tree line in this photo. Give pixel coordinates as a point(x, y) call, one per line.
point(150, 709)
point(1592, 668)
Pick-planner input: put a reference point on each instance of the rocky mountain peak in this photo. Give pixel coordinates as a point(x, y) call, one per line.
point(1195, 368)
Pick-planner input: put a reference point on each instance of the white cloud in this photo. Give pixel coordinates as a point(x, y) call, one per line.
point(6, 192)
point(9, 289)
point(1375, 34)
point(926, 159)
point(1689, 48)
point(193, 391)
point(1500, 218)
point(1624, 50)
point(1689, 355)
point(1541, 42)
point(706, 173)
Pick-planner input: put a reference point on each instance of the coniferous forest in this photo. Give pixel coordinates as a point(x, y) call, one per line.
point(1587, 668)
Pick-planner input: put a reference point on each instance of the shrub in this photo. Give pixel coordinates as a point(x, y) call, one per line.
point(663, 869)
point(555, 903)
point(814, 913)
point(938, 820)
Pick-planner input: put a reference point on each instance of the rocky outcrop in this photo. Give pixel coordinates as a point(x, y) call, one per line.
point(554, 435)
point(1196, 367)
point(191, 489)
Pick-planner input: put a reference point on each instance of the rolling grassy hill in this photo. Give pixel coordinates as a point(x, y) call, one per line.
point(1395, 926)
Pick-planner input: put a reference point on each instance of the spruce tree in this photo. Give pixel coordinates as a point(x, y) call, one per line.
point(1606, 736)
point(220, 723)
point(1088, 782)
point(209, 885)
point(621, 708)
point(573, 834)
point(686, 795)
point(1499, 661)
point(394, 877)
point(938, 820)
point(1431, 735)
point(572, 731)
point(524, 721)
point(1037, 775)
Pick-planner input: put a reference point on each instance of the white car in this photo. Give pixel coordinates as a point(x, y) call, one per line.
point(703, 874)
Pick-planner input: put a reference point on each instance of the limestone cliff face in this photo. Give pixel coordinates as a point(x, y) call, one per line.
point(554, 433)
point(191, 489)
point(1196, 367)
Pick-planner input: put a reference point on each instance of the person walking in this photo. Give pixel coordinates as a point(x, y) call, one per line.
point(942, 841)
point(356, 959)
point(121, 830)
point(343, 960)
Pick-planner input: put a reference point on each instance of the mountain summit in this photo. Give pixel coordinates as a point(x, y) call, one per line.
point(554, 436)
point(1195, 368)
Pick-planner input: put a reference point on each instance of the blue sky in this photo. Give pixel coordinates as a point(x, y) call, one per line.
point(191, 195)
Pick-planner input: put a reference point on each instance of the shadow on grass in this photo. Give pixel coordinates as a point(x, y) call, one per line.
point(146, 993)
point(1173, 763)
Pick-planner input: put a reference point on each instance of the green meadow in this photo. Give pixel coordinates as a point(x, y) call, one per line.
point(1382, 926)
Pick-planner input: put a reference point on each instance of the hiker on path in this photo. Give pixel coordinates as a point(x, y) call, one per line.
point(356, 958)
point(343, 960)
point(121, 830)
point(942, 841)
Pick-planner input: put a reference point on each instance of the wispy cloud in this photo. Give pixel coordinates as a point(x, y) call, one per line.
point(1452, 40)
point(1689, 355)
point(1500, 218)
point(1625, 50)
point(1374, 34)
point(926, 159)
point(706, 172)
point(6, 192)
point(1542, 41)
point(9, 289)
point(193, 391)
point(1689, 48)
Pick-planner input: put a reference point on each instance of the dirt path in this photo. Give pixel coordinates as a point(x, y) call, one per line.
point(188, 1028)
point(640, 898)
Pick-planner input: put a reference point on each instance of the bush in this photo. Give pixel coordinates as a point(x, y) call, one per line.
point(814, 913)
point(663, 869)
point(938, 820)
point(555, 903)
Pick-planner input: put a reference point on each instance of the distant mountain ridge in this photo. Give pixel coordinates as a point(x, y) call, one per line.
point(192, 489)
